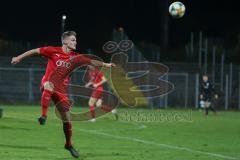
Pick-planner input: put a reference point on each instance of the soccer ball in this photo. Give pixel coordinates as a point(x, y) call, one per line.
point(177, 9)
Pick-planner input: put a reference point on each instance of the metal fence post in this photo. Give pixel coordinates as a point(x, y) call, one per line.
point(200, 51)
point(206, 56)
point(226, 93)
point(30, 87)
point(186, 91)
point(166, 96)
point(213, 63)
point(196, 91)
point(222, 70)
point(230, 79)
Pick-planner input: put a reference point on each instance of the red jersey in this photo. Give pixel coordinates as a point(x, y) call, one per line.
point(95, 76)
point(55, 57)
point(65, 66)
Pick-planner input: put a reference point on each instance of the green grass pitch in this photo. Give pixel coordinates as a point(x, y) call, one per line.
point(202, 138)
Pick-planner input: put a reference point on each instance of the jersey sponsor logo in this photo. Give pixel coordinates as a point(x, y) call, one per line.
point(61, 63)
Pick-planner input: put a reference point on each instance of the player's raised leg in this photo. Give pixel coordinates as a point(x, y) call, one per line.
point(92, 101)
point(45, 101)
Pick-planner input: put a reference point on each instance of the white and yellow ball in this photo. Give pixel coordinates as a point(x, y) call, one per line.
point(177, 9)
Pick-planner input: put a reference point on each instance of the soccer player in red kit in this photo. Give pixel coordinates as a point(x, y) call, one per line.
point(96, 79)
point(45, 86)
point(61, 62)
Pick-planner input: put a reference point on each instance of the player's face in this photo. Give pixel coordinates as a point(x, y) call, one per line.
point(205, 78)
point(71, 42)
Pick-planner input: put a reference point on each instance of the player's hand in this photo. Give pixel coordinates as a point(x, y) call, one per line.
point(15, 60)
point(216, 96)
point(95, 85)
point(88, 84)
point(201, 96)
point(109, 65)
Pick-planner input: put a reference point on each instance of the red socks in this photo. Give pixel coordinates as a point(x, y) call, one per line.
point(92, 110)
point(46, 98)
point(67, 129)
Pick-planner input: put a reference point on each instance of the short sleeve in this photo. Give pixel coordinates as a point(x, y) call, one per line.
point(46, 51)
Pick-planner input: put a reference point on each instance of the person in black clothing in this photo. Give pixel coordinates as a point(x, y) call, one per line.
point(206, 95)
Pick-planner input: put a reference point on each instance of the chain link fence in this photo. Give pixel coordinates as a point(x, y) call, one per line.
point(21, 85)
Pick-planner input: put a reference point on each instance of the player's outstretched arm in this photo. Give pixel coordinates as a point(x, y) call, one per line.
point(101, 64)
point(29, 53)
point(88, 84)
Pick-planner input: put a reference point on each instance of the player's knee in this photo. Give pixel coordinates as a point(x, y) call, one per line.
point(48, 86)
point(91, 102)
point(99, 103)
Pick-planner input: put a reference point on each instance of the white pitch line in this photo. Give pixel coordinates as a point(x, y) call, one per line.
point(149, 142)
point(139, 126)
point(160, 144)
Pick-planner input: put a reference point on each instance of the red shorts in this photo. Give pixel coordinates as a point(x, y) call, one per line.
point(97, 93)
point(60, 100)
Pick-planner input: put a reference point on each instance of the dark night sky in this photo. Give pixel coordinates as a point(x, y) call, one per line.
point(94, 20)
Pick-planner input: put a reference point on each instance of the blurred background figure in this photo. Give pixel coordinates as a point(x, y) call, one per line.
point(206, 95)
